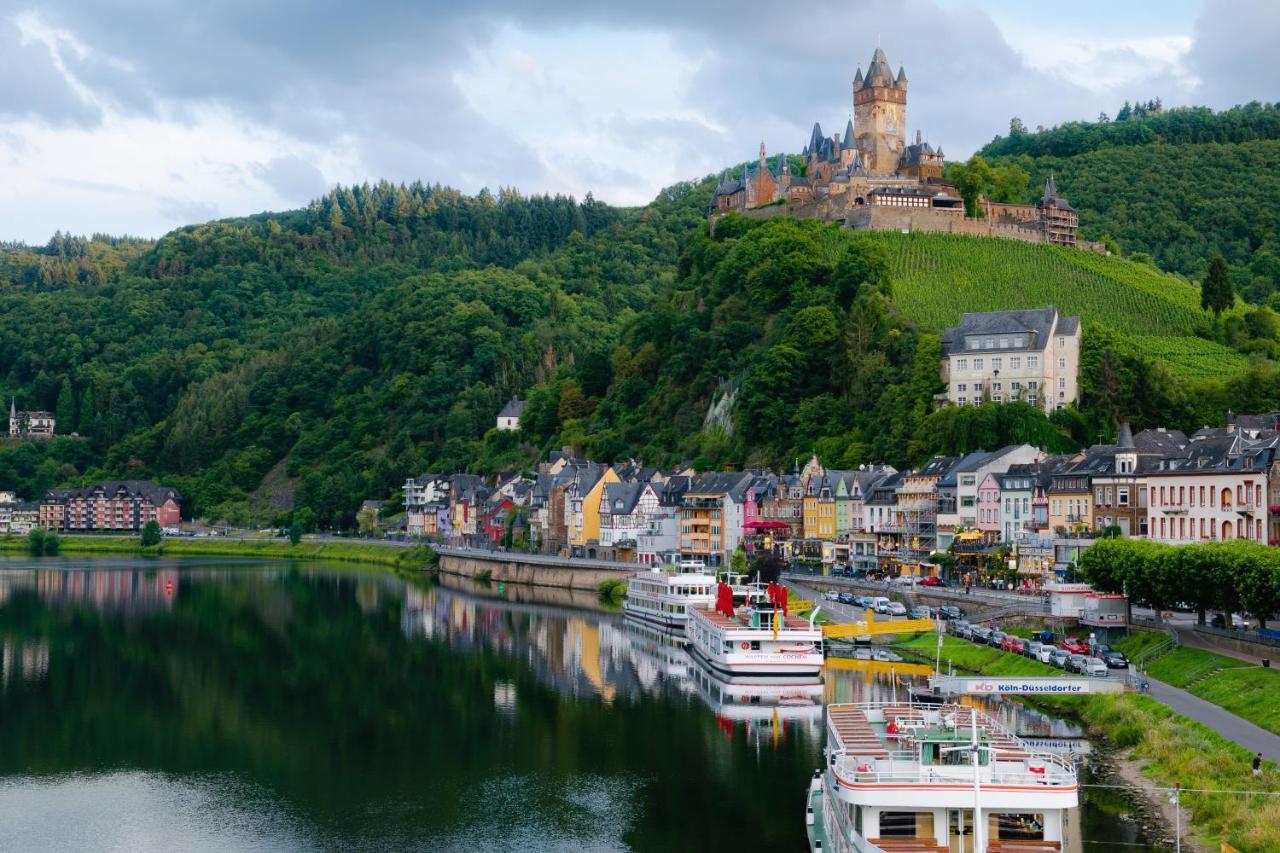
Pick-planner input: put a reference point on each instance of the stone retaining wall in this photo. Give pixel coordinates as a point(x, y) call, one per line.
point(533, 569)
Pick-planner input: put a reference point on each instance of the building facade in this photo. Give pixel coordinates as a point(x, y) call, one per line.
point(1005, 356)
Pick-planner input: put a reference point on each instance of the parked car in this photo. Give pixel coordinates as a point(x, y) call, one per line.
point(1058, 658)
point(931, 581)
point(961, 628)
point(905, 580)
point(1095, 667)
point(897, 608)
point(1238, 621)
point(1074, 646)
point(1114, 659)
point(846, 598)
point(979, 634)
point(1033, 649)
point(831, 595)
point(996, 638)
point(1017, 645)
point(1045, 655)
point(950, 611)
point(1076, 663)
point(864, 601)
point(921, 613)
point(882, 604)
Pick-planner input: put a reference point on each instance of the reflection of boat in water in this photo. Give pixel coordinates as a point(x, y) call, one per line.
point(656, 653)
point(665, 598)
point(749, 699)
point(910, 777)
point(759, 640)
point(768, 706)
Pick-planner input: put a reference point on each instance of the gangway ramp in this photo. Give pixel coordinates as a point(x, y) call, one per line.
point(869, 627)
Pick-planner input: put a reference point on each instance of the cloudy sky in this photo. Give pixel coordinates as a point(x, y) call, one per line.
point(139, 116)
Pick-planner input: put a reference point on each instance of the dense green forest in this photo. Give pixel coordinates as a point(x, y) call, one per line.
point(309, 359)
point(1178, 185)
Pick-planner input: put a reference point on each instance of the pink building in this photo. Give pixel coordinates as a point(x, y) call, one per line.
point(988, 504)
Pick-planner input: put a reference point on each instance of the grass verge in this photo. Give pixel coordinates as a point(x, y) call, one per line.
point(347, 552)
point(983, 660)
point(1182, 666)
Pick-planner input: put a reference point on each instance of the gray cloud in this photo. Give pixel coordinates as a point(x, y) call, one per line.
point(379, 75)
point(32, 86)
point(291, 177)
point(1233, 52)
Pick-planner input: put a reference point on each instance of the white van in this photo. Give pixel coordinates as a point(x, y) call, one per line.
point(881, 604)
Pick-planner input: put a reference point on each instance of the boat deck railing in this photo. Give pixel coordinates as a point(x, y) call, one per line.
point(909, 771)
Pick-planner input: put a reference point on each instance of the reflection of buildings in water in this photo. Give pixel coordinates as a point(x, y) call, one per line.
point(578, 653)
point(15, 581)
point(25, 659)
point(109, 589)
point(504, 698)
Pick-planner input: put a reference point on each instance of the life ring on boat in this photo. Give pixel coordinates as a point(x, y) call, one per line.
point(745, 645)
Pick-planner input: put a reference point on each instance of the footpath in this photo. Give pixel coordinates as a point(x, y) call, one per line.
point(1246, 734)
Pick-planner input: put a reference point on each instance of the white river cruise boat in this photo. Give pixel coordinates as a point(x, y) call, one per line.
point(910, 778)
point(759, 641)
point(664, 599)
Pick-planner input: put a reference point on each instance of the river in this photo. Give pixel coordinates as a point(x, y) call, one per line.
point(200, 704)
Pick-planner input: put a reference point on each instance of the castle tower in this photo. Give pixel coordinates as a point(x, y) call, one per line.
point(880, 115)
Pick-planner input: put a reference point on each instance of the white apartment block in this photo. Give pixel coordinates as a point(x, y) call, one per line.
point(1004, 356)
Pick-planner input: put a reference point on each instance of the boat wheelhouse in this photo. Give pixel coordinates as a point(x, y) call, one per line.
point(757, 641)
point(910, 778)
point(664, 599)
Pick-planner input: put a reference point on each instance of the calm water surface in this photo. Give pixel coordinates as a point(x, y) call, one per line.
point(221, 705)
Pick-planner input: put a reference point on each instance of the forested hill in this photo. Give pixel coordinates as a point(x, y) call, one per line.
point(328, 350)
point(307, 360)
point(1180, 185)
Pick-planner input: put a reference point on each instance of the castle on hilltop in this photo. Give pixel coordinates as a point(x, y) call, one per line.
point(870, 178)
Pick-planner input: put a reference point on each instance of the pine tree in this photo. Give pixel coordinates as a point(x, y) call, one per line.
point(1216, 293)
point(65, 411)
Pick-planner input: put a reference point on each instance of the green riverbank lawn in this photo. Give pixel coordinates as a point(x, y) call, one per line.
point(383, 554)
point(1139, 642)
point(1182, 667)
point(971, 656)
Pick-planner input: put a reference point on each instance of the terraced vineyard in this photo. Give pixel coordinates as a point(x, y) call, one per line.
point(938, 277)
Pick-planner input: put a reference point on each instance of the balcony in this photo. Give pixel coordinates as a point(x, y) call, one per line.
point(1174, 509)
point(1247, 507)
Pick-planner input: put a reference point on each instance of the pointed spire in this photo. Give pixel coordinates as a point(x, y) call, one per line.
point(1050, 188)
point(1125, 439)
point(848, 134)
point(857, 80)
point(902, 77)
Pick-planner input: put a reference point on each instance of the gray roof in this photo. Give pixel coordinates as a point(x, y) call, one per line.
point(621, 498)
point(1038, 324)
point(513, 408)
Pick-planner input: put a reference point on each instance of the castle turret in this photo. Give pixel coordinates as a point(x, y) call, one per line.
point(880, 115)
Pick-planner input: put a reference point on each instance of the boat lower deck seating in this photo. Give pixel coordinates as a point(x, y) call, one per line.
point(909, 845)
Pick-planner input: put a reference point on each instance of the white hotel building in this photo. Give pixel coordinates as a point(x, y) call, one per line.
point(1005, 356)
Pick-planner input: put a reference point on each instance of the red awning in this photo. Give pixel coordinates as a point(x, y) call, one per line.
point(766, 525)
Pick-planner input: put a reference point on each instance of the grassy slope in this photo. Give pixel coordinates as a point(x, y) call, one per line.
point(938, 277)
point(347, 552)
point(976, 658)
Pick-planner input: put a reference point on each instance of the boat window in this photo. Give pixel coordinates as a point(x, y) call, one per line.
point(1020, 827)
point(906, 825)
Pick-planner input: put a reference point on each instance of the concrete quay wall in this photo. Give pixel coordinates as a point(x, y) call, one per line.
point(533, 569)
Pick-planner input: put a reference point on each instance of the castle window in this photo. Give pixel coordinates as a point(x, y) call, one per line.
point(990, 343)
point(973, 343)
point(997, 397)
point(1033, 361)
point(1015, 363)
point(977, 364)
point(1004, 343)
point(1019, 342)
point(1062, 364)
point(997, 363)
point(963, 364)
point(961, 387)
point(1062, 342)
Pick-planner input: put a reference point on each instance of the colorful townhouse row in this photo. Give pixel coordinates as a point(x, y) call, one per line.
point(1017, 501)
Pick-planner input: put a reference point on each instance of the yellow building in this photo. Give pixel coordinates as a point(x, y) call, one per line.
point(1070, 502)
point(584, 511)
